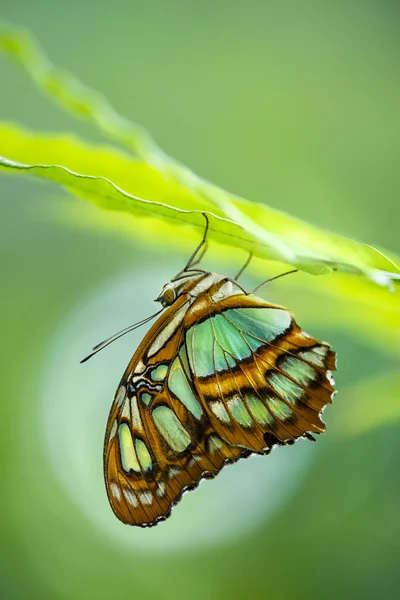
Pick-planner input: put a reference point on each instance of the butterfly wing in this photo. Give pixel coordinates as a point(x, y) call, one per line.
point(209, 384)
point(159, 440)
point(260, 377)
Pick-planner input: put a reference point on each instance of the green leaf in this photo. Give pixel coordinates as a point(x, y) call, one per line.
point(115, 181)
point(267, 232)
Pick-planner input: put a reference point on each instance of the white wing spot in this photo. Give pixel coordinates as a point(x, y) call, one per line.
point(140, 367)
point(161, 489)
point(113, 430)
point(168, 331)
point(173, 472)
point(126, 412)
point(146, 498)
point(330, 377)
point(120, 395)
point(130, 497)
point(116, 491)
point(220, 411)
point(195, 458)
point(136, 420)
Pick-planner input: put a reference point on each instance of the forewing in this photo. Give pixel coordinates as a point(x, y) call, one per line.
point(159, 439)
point(260, 377)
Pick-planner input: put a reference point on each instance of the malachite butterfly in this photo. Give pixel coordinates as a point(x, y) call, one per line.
point(221, 375)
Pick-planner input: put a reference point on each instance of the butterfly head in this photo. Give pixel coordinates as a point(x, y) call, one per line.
point(180, 284)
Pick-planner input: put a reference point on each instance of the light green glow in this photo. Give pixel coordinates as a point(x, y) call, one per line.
point(298, 370)
point(239, 412)
point(171, 428)
point(285, 388)
point(146, 398)
point(259, 410)
point(279, 408)
point(143, 455)
point(159, 373)
point(179, 385)
point(127, 451)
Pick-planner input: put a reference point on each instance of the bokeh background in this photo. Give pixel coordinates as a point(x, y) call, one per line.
point(293, 104)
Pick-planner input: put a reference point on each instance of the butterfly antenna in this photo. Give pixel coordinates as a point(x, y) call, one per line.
point(273, 279)
point(114, 337)
point(192, 260)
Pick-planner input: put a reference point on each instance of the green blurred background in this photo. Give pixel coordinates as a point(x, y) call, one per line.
point(294, 104)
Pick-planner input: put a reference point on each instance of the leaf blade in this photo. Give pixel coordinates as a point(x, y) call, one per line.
point(266, 232)
point(285, 238)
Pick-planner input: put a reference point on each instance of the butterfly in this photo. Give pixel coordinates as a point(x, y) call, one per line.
point(220, 375)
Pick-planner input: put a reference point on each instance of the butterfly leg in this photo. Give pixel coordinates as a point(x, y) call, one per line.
point(234, 282)
point(199, 258)
point(272, 279)
point(192, 260)
point(216, 287)
point(196, 258)
point(244, 266)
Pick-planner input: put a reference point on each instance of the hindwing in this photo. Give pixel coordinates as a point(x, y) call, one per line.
point(260, 377)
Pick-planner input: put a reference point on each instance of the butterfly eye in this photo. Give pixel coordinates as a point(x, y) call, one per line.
point(168, 296)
